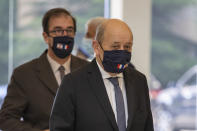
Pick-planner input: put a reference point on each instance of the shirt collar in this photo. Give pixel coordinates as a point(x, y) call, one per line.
point(106, 75)
point(55, 65)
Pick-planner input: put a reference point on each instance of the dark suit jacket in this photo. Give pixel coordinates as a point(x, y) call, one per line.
point(82, 103)
point(30, 95)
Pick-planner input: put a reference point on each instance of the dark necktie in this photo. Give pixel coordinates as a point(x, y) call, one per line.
point(121, 120)
point(62, 71)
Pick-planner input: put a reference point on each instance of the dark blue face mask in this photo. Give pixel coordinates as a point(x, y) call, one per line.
point(114, 61)
point(62, 46)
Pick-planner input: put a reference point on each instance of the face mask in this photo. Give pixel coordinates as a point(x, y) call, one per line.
point(87, 46)
point(62, 46)
point(114, 61)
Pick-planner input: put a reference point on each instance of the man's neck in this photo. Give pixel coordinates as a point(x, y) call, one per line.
point(57, 59)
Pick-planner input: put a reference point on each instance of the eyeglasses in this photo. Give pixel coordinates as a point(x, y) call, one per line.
point(60, 32)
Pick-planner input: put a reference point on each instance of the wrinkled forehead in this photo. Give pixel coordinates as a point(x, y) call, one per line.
point(118, 31)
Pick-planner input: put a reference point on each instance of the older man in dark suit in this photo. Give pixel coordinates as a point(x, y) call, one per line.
point(105, 95)
point(33, 85)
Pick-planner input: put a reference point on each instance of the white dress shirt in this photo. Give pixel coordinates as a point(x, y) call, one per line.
point(55, 66)
point(110, 90)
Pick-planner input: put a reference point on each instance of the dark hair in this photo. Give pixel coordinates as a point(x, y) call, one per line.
point(55, 12)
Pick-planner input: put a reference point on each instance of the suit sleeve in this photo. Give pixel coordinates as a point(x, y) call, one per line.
point(63, 111)
point(149, 121)
point(13, 108)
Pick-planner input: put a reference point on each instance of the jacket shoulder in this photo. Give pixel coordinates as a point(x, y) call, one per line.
point(134, 73)
point(26, 66)
point(80, 73)
point(77, 63)
point(79, 60)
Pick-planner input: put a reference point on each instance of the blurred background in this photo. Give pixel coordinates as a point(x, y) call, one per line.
point(174, 65)
point(171, 47)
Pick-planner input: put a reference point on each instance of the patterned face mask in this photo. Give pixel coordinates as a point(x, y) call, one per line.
point(62, 46)
point(114, 61)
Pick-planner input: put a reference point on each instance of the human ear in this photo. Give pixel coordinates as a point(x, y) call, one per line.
point(95, 46)
point(46, 37)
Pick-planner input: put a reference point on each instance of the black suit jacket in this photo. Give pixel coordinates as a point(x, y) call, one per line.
point(82, 102)
point(30, 95)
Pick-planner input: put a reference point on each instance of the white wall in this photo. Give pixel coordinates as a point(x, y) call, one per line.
point(137, 14)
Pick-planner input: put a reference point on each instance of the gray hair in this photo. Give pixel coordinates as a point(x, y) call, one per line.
point(100, 33)
point(94, 22)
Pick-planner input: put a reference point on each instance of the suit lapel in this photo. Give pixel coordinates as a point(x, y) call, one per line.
point(74, 63)
point(97, 84)
point(45, 73)
point(131, 93)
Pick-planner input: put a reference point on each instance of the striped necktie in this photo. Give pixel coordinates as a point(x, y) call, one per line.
point(62, 71)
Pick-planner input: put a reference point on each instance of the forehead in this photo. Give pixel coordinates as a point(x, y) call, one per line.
point(62, 21)
point(120, 34)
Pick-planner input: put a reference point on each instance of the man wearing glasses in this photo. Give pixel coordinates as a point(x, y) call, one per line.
point(33, 85)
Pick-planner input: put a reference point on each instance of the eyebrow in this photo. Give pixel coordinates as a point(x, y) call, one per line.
point(59, 27)
point(116, 42)
point(128, 43)
point(70, 27)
